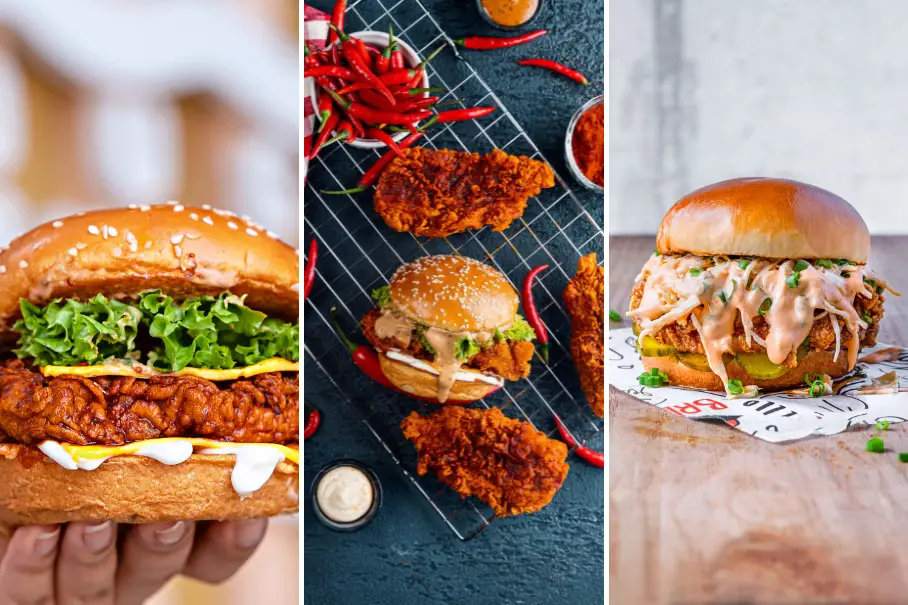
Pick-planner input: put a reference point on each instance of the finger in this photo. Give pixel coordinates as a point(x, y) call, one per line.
point(151, 555)
point(224, 548)
point(27, 569)
point(87, 564)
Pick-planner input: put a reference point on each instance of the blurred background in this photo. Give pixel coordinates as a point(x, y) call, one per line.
point(107, 103)
point(705, 90)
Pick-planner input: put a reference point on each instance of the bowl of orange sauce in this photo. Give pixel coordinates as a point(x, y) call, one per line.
point(509, 14)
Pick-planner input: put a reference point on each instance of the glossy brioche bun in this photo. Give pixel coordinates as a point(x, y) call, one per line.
point(182, 250)
point(425, 385)
point(134, 489)
point(453, 293)
point(771, 218)
point(819, 362)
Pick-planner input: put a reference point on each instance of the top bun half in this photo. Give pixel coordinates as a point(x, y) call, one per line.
point(766, 217)
point(454, 293)
point(181, 250)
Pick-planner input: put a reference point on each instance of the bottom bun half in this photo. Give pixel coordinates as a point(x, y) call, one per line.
point(425, 385)
point(134, 489)
point(819, 362)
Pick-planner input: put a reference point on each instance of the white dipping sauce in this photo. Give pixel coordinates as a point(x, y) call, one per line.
point(345, 494)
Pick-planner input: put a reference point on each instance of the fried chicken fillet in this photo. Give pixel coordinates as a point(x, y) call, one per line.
point(437, 193)
point(506, 463)
point(584, 298)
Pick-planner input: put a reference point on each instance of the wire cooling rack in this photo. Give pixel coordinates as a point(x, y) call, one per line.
point(359, 253)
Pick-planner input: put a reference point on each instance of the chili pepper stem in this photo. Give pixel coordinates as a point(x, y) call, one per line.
point(351, 346)
point(345, 191)
point(432, 55)
point(544, 353)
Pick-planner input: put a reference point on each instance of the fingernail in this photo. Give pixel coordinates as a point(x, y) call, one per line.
point(46, 542)
point(97, 537)
point(250, 533)
point(170, 534)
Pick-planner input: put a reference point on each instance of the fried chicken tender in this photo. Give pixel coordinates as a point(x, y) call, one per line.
point(437, 193)
point(506, 463)
point(584, 298)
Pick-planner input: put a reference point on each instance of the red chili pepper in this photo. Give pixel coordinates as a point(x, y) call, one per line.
point(458, 115)
point(489, 43)
point(355, 87)
point(398, 77)
point(375, 171)
point(363, 51)
point(325, 109)
point(375, 116)
point(344, 133)
point(397, 57)
point(404, 94)
point(383, 60)
point(309, 271)
point(323, 134)
point(564, 70)
point(333, 71)
point(421, 68)
point(529, 307)
point(384, 137)
point(313, 420)
point(592, 456)
point(351, 51)
point(337, 19)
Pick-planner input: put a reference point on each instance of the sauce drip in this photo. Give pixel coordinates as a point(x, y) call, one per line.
point(720, 290)
point(510, 13)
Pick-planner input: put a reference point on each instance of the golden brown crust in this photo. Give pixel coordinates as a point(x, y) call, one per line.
point(767, 217)
point(584, 298)
point(184, 251)
point(133, 489)
point(454, 293)
point(819, 362)
point(425, 385)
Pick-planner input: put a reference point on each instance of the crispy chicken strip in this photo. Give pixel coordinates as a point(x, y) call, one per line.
point(439, 193)
point(506, 463)
point(584, 298)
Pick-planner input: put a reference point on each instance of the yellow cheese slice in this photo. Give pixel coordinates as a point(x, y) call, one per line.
point(137, 370)
point(97, 452)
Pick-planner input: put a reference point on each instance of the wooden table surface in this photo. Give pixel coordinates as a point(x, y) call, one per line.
point(702, 513)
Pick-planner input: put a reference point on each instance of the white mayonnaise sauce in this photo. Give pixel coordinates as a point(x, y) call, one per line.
point(253, 467)
point(55, 452)
point(344, 494)
point(461, 376)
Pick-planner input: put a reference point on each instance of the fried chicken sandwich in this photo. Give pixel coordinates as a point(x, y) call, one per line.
point(447, 329)
point(148, 369)
point(757, 283)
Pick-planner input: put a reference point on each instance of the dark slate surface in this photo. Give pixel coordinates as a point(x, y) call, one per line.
point(408, 555)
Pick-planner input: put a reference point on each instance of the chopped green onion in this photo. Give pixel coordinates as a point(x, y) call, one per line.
point(613, 316)
point(817, 388)
point(793, 280)
point(722, 296)
point(810, 377)
point(875, 445)
point(653, 378)
point(800, 266)
point(695, 271)
point(903, 456)
point(842, 262)
point(882, 425)
point(742, 264)
point(879, 289)
point(765, 306)
point(846, 274)
point(656, 253)
point(826, 264)
point(735, 387)
point(867, 319)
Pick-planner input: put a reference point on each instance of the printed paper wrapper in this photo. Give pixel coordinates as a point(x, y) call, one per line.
point(775, 417)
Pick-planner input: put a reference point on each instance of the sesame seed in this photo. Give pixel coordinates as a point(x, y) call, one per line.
point(93, 230)
point(295, 287)
point(251, 232)
point(144, 208)
point(23, 264)
point(207, 220)
point(104, 231)
point(194, 216)
point(147, 246)
point(58, 224)
point(178, 251)
point(133, 246)
point(2, 269)
point(232, 225)
point(178, 208)
point(272, 234)
point(206, 206)
point(172, 203)
point(118, 251)
point(133, 206)
point(176, 239)
point(113, 231)
point(73, 252)
point(81, 246)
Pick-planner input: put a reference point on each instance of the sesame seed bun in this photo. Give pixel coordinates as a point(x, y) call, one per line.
point(815, 362)
point(35, 490)
point(454, 293)
point(425, 385)
point(766, 217)
point(182, 250)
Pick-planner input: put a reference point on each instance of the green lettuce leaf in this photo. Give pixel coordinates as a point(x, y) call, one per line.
point(205, 332)
point(465, 348)
point(421, 335)
point(382, 297)
point(520, 330)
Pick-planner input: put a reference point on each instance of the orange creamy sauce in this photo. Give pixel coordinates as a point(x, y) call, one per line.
point(510, 13)
point(723, 291)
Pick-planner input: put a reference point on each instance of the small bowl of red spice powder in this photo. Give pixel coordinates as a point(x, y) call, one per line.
point(584, 145)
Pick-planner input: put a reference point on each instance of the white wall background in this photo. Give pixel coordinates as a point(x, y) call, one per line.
point(705, 90)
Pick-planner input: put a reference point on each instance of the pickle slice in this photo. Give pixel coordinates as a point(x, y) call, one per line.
point(758, 365)
point(650, 347)
point(636, 329)
point(695, 361)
